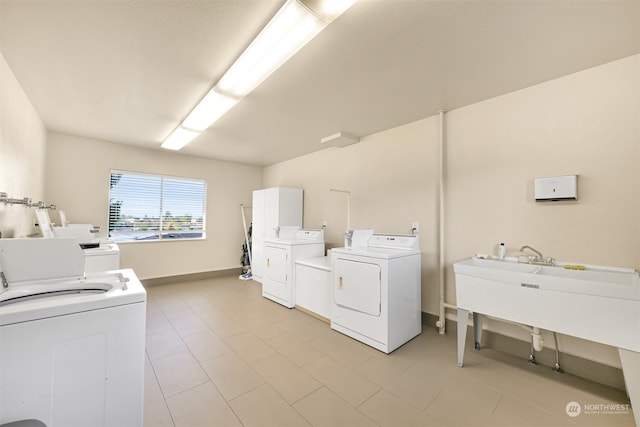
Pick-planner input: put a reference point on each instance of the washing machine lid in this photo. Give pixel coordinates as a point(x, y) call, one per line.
point(41, 299)
point(102, 250)
point(24, 259)
point(320, 263)
point(300, 237)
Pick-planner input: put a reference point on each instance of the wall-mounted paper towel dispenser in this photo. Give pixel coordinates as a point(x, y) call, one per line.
point(556, 188)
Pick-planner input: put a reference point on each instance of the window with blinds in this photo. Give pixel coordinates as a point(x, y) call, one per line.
point(153, 207)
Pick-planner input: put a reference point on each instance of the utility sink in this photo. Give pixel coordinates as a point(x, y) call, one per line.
point(600, 304)
point(609, 282)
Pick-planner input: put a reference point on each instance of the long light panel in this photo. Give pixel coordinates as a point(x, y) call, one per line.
point(293, 26)
point(290, 29)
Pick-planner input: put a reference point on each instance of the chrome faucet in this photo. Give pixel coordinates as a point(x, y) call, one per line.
point(538, 259)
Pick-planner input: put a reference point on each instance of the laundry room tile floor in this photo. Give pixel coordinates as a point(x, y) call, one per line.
point(219, 354)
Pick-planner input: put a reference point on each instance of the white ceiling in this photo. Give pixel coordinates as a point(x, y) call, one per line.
point(129, 71)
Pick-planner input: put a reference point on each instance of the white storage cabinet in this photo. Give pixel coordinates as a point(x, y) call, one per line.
point(272, 208)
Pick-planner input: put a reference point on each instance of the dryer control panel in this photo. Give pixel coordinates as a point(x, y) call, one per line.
point(394, 241)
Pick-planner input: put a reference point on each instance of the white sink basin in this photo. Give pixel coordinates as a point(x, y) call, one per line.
point(600, 304)
point(598, 281)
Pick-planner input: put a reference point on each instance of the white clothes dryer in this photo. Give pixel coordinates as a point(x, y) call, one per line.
point(377, 291)
point(280, 255)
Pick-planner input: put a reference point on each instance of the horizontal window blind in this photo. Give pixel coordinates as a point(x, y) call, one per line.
point(153, 207)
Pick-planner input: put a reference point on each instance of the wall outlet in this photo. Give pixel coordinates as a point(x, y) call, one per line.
point(415, 227)
point(324, 225)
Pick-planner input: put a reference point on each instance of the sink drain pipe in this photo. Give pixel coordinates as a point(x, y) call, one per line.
point(441, 261)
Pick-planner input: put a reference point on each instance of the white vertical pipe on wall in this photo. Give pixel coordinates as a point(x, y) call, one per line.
point(441, 261)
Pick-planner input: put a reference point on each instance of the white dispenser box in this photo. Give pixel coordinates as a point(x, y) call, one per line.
point(556, 188)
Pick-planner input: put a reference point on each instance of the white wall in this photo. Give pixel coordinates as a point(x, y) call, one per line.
point(22, 153)
point(585, 123)
point(77, 179)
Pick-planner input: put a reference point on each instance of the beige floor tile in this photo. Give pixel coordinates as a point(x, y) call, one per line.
point(157, 322)
point(406, 356)
point(148, 368)
point(343, 349)
point(383, 370)
point(295, 350)
point(231, 375)
point(250, 347)
point(163, 343)
point(273, 312)
point(304, 329)
point(174, 308)
point(388, 410)
point(190, 324)
point(201, 406)
point(323, 408)
point(350, 386)
point(156, 413)
point(526, 385)
point(517, 413)
point(225, 326)
point(464, 401)
point(178, 372)
point(262, 328)
point(206, 345)
point(418, 385)
point(291, 382)
point(206, 310)
point(263, 407)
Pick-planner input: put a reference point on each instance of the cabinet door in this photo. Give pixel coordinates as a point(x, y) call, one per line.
point(275, 263)
point(282, 207)
point(357, 285)
point(290, 206)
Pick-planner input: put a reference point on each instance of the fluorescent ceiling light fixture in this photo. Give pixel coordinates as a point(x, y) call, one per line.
point(328, 10)
point(179, 138)
point(213, 106)
point(295, 24)
point(290, 29)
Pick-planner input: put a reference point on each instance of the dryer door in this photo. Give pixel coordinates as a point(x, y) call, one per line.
point(276, 263)
point(357, 285)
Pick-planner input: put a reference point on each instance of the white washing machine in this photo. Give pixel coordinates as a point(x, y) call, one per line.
point(100, 256)
point(280, 255)
point(72, 350)
point(103, 258)
point(377, 291)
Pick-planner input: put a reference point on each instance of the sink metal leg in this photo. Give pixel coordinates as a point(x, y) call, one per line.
point(463, 317)
point(477, 330)
point(631, 370)
point(532, 356)
point(557, 366)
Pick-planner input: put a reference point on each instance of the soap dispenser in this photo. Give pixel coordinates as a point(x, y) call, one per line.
point(501, 251)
